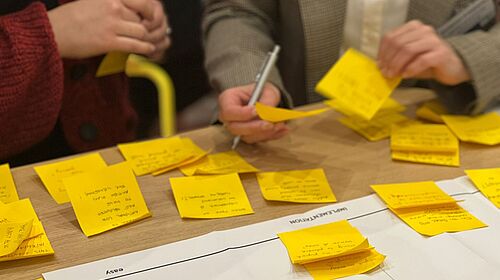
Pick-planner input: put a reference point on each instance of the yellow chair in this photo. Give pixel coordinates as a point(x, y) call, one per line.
point(140, 67)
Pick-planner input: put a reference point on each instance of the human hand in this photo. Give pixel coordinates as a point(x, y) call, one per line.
point(158, 34)
point(415, 50)
point(88, 28)
point(242, 120)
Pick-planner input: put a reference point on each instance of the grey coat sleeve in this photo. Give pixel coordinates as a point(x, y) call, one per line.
point(237, 36)
point(480, 52)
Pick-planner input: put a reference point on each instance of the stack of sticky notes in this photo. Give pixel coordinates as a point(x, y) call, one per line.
point(220, 163)
point(426, 208)
point(425, 143)
point(377, 128)
point(211, 196)
point(301, 186)
point(483, 129)
point(432, 111)
point(21, 232)
point(8, 192)
point(331, 251)
point(488, 182)
point(161, 155)
point(357, 84)
point(106, 198)
point(274, 114)
point(53, 174)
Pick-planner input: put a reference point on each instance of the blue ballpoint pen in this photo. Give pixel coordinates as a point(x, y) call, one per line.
point(260, 81)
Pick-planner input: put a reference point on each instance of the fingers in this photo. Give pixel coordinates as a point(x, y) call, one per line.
point(159, 17)
point(232, 105)
point(132, 30)
point(407, 54)
point(394, 38)
point(132, 45)
point(130, 15)
point(270, 95)
point(146, 8)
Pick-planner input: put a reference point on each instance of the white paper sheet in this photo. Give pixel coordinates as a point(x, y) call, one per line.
point(255, 252)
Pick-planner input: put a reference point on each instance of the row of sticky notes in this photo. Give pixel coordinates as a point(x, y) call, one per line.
point(426, 208)
point(220, 196)
point(21, 232)
point(331, 251)
point(161, 155)
point(425, 143)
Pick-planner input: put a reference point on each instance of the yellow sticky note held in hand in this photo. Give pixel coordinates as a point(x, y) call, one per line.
point(345, 266)
point(406, 195)
point(488, 182)
point(8, 192)
point(484, 129)
point(274, 114)
point(323, 242)
point(112, 63)
point(356, 82)
point(206, 197)
point(53, 174)
point(106, 199)
point(218, 164)
point(302, 186)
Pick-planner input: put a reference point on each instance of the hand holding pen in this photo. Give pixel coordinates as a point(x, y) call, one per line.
point(241, 119)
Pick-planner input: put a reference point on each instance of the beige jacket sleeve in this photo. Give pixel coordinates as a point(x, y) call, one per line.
point(237, 36)
point(480, 51)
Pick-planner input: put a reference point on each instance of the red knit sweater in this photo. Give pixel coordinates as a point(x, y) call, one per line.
point(38, 89)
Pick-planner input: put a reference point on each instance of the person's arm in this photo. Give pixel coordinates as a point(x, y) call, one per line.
point(31, 79)
point(480, 52)
point(238, 34)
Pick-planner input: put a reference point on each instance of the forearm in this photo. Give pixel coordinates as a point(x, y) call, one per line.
point(237, 37)
point(480, 52)
point(31, 80)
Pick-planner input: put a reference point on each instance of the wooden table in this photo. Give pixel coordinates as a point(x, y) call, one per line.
point(351, 164)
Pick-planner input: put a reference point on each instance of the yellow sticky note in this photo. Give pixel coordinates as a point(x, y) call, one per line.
point(357, 84)
point(377, 128)
point(323, 242)
point(302, 186)
point(344, 266)
point(36, 244)
point(432, 111)
point(423, 138)
point(187, 162)
point(206, 197)
point(220, 163)
point(436, 219)
point(390, 106)
point(488, 182)
point(484, 129)
point(32, 247)
point(446, 159)
point(8, 192)
point(12, 234)
point(407, 195)
point(106, 199)
point(160, 154)
point(112, 63)
point(53, 174)
point(273, 114)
